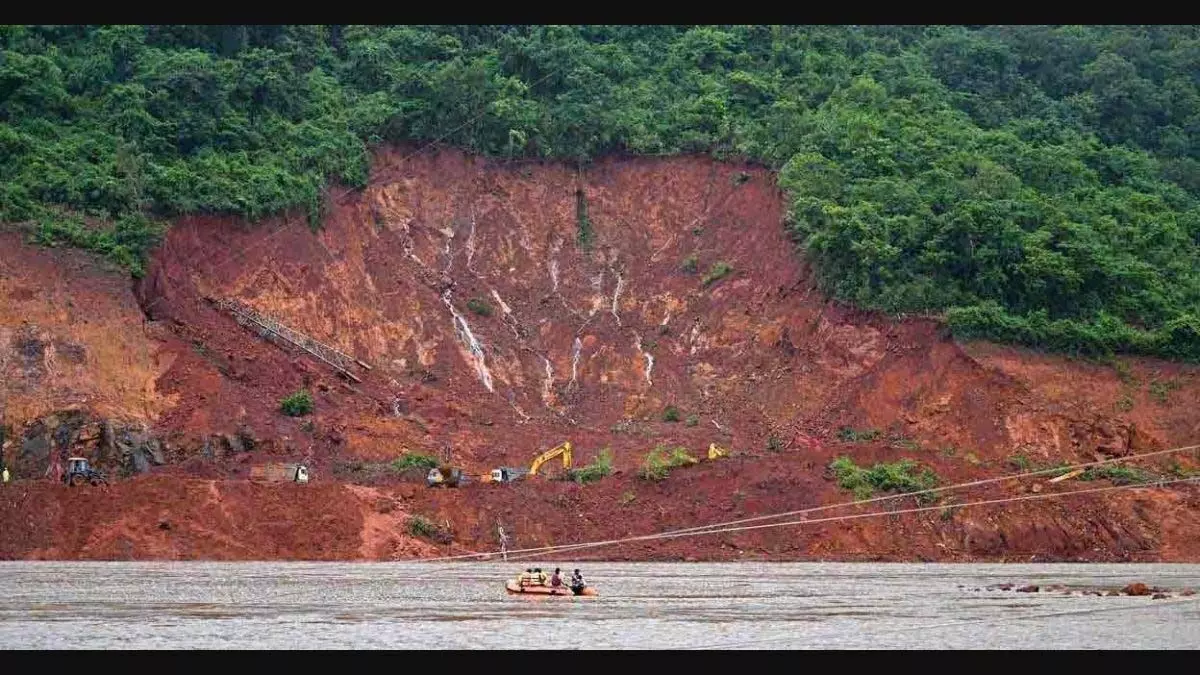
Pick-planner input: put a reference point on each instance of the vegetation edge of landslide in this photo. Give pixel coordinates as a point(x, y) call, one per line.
point(939, 170)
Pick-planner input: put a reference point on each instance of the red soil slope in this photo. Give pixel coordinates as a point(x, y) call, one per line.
point(582, 343)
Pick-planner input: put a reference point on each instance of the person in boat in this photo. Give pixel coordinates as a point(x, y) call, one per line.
point(577, 581)
point(527, 577)
point(556, 578)
point(541, 576)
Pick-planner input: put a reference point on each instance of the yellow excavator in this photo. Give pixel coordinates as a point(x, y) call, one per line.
point(715, 451)
point(563, 450)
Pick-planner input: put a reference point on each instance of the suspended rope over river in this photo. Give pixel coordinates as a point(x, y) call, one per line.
point(735, 525)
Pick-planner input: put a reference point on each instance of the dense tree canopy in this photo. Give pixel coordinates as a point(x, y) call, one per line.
point(1031, 184)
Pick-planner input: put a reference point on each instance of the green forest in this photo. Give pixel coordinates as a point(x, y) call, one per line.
point(1035, 185)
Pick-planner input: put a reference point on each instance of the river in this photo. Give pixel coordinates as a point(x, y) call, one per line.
point(203, 605)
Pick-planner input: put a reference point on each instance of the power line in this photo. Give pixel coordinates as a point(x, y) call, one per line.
point(875, 514)
point(705, 529)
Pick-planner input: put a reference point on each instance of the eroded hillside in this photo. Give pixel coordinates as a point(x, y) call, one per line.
point(504, 308)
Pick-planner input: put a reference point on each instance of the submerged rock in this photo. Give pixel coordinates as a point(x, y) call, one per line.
point(1136, 588)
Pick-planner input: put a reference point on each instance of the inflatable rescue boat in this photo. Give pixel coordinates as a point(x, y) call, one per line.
point(514, 586)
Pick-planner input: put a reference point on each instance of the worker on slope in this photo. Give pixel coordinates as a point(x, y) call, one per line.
point(556, 578)
point(4, 475)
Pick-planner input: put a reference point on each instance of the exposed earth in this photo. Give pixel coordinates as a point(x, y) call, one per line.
point(502, 309)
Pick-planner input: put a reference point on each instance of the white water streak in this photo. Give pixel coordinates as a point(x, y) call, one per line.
point(666, 319)
point(408, 251)
point(553, 265)
point(616, 296)
point(449, 232)
point(503, 306)
point(547, 386)
point(692, 338)
point(598, 293)
point(468, 339)
point(576, 348)
point(471, 241)
point(645, 355)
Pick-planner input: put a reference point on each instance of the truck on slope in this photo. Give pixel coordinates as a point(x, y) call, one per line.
point(279, 473)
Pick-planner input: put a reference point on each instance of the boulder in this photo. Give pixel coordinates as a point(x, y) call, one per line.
point(1136, 588)
point(1028, 589)
point(234, 444)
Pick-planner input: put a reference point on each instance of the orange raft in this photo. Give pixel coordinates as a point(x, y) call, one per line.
point(514, 586)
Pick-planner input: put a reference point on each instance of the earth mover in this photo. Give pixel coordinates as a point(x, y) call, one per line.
point(80, 471)
point(445, 476)
point(506, 474)
point(280, 473)
point(563, 450)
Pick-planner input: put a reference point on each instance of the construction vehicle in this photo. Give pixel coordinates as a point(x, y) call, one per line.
point(444, 476)
point(279, 473)
point(506, 474)
point(80, 471)
point(563, 450)
point(715, 451)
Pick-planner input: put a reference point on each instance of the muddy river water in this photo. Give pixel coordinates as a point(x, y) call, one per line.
point(121, 605)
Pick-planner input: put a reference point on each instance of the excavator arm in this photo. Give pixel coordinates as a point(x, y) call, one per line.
point(564, 450)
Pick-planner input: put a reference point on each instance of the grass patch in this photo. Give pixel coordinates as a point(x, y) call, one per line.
point(628, 497)
point(586, 234)
point(902, 476)
point(670, 414)
point(413, 460)
point(690, 264)
point(718, 271)
point(480, 306)
point(692, 420)
point(1125, 402)
point(740, 178)
point(1160, 390)
point(774, 443)
point(1020, 462)
point(1180, 471)
point(1117, 474)
point(298, 404)
point(600, 468)
point(660, 461)
point(1124, 371)
point(427, 529)
point(849, 435)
